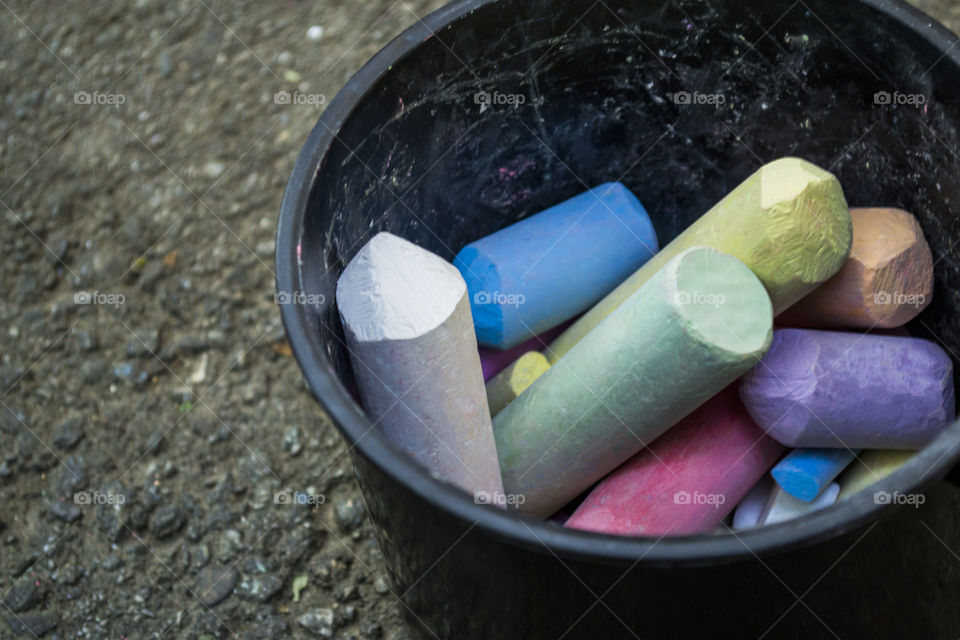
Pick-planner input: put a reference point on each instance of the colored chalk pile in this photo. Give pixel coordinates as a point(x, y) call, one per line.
point(566, 365)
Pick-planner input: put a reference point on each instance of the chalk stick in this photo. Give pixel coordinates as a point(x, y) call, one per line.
point(512, 381)
point(407, 321)
point(885, 283)
point(750, 509)
point(781, 506)
point(494, 361)
point(692, 329)
point(845, 390)
point(805, 473)
point(688, 480)
point(871, 467)
point(788, 222)
point(549, 267)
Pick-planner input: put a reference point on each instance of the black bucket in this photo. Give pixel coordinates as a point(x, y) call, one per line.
point(488, 111)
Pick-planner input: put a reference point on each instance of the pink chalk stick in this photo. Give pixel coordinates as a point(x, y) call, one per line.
point(493, 361)
point(688, 480)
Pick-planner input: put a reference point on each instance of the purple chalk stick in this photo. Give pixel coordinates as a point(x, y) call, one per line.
point(494, 361)
point(856, 391)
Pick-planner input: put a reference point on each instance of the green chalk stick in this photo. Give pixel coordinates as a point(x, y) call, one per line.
point(788, 222)
point(696, 326)
point(512, 381)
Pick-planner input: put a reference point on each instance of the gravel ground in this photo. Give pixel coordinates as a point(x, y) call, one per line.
point(150, 411)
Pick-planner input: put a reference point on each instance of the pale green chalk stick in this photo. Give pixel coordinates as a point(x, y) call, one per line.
point(512, 381)
point(693, 328)
point(871, 467)
point(788, 222)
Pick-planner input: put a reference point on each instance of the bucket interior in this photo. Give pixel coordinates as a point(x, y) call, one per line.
point(520, 104)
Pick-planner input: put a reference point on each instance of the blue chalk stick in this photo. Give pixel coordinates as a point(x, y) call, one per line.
point(804, 473)
point(545, 269)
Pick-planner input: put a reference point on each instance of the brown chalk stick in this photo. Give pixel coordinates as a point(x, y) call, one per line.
point(885, 283)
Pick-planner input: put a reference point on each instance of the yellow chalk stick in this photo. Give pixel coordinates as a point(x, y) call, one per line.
point(511, 382)
point(872, 466)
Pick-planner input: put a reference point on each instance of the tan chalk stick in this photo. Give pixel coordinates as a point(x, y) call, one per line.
point(885, 283)
point(511, 382)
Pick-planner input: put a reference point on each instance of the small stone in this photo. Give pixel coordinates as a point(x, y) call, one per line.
point(34, 624)
point(130, 373)
point(349, 514)
point(67, 434)
point(214, 584)
point(318, 622)
point(85, 340)
point(314, 33)
point(201, 556)
point(155, 442)
point(65, 510)
point(143, 343)
point(10, 422)
point(164, 64)
point(110, 35)
point(380, 586)
point(291, 441)
point(229, 544)
point(111, 563)
point(166, 521)
point(259, 587)
point(22, 596)
point(93, 371)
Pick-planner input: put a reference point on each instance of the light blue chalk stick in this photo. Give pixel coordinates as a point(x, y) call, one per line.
point(805, 473)
point(545, 269)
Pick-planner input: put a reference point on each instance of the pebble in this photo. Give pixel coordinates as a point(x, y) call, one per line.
point(65, 510)
point(34, 624)
point(111, 563)
point(10, 422)
point(214, 584)
point(22, 595)
point(85, 340)
point(93, 371)
point(155, 442)
point(130, 373)
point(166, 521)
point(229, 544)
point(349, 514)
point(314, 33)
point(260, 587)
point(380, 586)
point(164, 64)
point(67, 434)
point(318, 622)
point(291, 441)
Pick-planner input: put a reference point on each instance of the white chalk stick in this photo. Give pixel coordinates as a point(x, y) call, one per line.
point(406, 317)
point(747, 515)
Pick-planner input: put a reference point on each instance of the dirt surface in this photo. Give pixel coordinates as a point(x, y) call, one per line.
point(153, 425)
